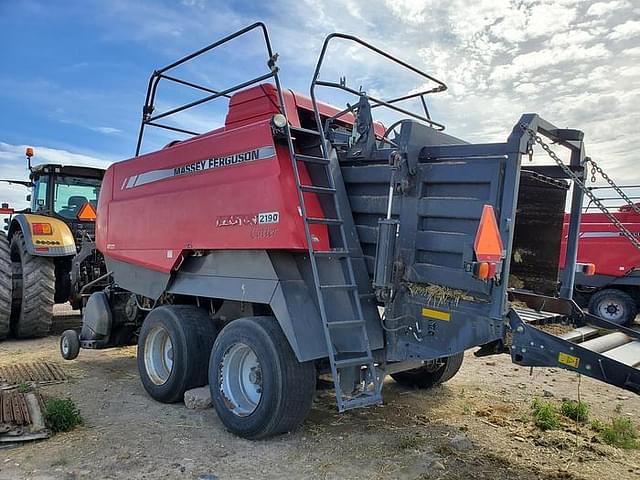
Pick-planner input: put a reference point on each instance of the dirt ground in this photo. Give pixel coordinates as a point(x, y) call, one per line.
point(476, 426)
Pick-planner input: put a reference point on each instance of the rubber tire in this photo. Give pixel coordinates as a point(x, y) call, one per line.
point(192, 334)
point(288, 385)
point(34, 284)
point(5, 287)
point(423, 378)
point(626, 300)
point(74, 344)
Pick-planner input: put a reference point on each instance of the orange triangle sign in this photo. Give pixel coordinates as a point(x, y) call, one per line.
point(87, 213)
point(488, 244)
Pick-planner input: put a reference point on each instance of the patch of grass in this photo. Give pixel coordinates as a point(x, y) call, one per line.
point(620, 432)
point(24, 388)
point(61, 462)
point(62, 414)
point(597, 426)
point(575, 410)
point(545, 415)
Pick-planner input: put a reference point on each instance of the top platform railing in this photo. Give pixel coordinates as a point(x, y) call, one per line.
point(165, 74)
point(391, 103)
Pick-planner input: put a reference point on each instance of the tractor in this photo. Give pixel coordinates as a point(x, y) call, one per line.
point(47, 254)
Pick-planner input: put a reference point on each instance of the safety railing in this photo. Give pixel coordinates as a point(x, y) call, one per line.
point(613, 201)
point(148, 117)
point(392, 103)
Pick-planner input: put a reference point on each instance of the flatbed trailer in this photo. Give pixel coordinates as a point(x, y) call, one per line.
point(301, 239)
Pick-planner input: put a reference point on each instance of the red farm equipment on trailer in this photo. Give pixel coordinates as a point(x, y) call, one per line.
point(610, 240)
point(300, 239)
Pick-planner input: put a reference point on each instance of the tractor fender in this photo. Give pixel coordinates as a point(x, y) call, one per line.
point(60, 243)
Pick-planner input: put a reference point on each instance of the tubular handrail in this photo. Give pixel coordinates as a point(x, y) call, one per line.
point(161, 74)
point(376, 103)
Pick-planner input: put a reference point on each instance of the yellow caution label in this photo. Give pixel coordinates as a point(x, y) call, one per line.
point(437, 314)
point(567, 359)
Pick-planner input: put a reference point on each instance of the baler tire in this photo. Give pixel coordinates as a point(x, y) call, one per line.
point(191, 333)
point(424, 377)
point(286, 386)
point(34, 284)
point(615, 296)
point(5, 287)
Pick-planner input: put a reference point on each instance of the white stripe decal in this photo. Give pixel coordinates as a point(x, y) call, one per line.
point(212, 163)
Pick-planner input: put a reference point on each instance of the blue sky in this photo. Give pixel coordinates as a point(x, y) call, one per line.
point(73, 74)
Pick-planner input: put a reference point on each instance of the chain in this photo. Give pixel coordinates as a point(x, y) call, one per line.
point(597, 168)
point(580, 184)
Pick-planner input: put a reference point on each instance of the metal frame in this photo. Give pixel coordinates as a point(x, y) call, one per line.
point(162, 74)
point(376, 103)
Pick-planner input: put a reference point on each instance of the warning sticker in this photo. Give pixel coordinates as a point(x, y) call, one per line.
point(437, 314)
point(567, 359)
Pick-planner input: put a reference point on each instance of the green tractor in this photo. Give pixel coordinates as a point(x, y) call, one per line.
point(47, 254)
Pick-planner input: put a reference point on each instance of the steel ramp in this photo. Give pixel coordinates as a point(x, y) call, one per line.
point(578, 342)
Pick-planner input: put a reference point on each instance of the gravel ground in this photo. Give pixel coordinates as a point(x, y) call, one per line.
point(476, 426)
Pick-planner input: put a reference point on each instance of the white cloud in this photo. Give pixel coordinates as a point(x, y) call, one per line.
point(600, 9)
point(626, 30)
point(106, 130)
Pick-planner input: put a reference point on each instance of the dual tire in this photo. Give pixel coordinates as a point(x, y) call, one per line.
point(258, 388)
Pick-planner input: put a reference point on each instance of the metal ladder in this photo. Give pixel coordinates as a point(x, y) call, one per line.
point(370, 394)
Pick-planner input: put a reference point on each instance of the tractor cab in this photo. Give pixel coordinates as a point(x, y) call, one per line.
point(69, 193)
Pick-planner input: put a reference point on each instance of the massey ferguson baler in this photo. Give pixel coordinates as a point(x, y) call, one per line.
point(300, 239)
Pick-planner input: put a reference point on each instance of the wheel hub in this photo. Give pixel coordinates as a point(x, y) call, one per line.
point(241, 379)
point(610, 309)
point(158, 355)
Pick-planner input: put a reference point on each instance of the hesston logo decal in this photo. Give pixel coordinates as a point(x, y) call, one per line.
point(199, 166)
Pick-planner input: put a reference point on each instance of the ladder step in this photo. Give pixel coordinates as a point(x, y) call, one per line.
point(362, 400)
point(315, 189)
point(344, 323)
point(311, 159)
point(352, 362)
point(338, 286)
point(338, 252)
point(304, 130)
point(324, 221)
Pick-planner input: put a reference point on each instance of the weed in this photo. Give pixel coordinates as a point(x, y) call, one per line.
point(62, 415)
point(575, 410)
point(24, 388)
point(597, 426)
point(61, 462)
point(618, 408)
point(621, 432)
point(545, 415)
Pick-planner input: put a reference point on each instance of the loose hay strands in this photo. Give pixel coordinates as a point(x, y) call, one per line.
point(438, 295)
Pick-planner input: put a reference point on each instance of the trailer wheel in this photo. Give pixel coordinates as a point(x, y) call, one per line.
point(258, 387)
point(431, 374)
point(613, 305)
point(69, 345)
point(34, 284)
point(5, 287)
point(173, 350)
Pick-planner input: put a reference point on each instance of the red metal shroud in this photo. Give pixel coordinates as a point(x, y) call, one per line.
point(602, 244)
point(210, 192)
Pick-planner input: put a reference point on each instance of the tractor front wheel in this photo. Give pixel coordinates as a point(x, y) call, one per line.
point(5, 287)
point(258, 387)
point(34, 284)
point(431, 374)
